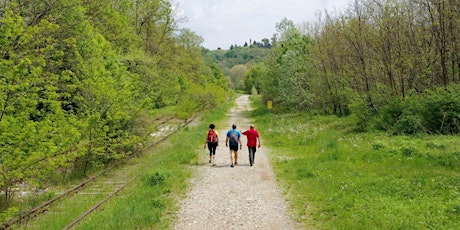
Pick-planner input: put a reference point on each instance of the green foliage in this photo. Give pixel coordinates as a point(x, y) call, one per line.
point(33, 128)
point(290, 71)
point(402, 117)
point(9, 214)
point(253, 77)
point(198, 98)
point(157, 177)
point(324, 66)
point(150, 203)
point(76, 76)
point(435, 112)
point(233, 60)
point(351, 180)
point(442, 110)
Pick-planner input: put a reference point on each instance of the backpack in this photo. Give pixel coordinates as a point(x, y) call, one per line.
point(212, 136)
point(233, 138)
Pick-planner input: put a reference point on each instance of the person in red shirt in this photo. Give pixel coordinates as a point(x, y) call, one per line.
point(253, 142)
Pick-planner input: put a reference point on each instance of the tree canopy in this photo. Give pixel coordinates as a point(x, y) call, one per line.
point(76, 75)
point(378, 59)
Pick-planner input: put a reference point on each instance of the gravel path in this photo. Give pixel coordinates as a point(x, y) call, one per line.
point(242, 197)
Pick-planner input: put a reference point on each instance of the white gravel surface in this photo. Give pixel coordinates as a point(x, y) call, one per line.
point(243, 197)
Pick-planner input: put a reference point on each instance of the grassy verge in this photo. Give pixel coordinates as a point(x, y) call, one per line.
point(338, 179)
point(150, 202)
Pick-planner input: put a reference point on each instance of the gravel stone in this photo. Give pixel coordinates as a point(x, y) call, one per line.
point(242, 197)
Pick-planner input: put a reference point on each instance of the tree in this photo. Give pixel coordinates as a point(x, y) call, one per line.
point(290, 69)
point(266, 42)
point(236, 75)
point(189, 39)
point(253, 77)
point(34, 130)
point(76, 74)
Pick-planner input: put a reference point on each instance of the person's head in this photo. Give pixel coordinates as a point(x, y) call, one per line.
point(251, 126)
point(233, 126)
point(212, 126)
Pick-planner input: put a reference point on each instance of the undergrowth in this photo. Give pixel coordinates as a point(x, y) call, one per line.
point(336, 178)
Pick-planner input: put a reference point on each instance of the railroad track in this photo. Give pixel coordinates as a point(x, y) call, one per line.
point(96, 190)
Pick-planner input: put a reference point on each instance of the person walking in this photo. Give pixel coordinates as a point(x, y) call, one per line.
point(212, 141)
point(253, 142)
point(233, 141)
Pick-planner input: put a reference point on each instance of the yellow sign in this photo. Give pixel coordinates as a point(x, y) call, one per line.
point(269, 104)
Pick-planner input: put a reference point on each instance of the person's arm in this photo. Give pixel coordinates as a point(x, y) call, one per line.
point(206, 140)
point(258, 140)
point(239, 140)
point(226, 141)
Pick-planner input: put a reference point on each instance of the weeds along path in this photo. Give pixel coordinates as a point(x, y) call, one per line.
point(70, 207)
point(243, 197)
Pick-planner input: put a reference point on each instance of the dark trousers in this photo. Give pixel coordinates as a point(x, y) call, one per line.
point(252, 154)
point(212, 148)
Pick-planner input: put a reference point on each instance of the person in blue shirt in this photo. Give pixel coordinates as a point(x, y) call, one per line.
point(233, 141)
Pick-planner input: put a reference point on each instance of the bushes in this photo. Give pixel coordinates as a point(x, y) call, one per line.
point(443, 110)
point(197, 98)
point(435, 112)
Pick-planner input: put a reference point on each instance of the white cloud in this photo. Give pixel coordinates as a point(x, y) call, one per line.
point(225, 22)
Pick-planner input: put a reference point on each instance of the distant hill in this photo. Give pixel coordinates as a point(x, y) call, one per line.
point(243, 55)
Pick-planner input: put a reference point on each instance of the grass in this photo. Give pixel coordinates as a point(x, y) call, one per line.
point(150, 202)
point(335, 178)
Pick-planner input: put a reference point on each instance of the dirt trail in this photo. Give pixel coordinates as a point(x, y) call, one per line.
point(242, 197)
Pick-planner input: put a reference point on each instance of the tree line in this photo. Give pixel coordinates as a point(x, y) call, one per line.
point(393, 64)
point(236, 61)
point(79, 78)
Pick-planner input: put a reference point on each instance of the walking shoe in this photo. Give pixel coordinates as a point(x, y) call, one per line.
point(231, 165)
point(236, 163)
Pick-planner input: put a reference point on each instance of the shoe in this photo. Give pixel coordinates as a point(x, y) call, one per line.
point(236, 163)
point(250, 164)
point(213, 164)
point(231, 165)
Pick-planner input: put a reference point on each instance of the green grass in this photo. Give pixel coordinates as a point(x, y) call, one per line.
point(150, 202)
point(335, 178)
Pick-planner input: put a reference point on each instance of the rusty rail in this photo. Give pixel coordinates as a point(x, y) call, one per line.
point(82, 185)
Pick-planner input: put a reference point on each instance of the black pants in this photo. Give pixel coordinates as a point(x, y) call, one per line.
point(212, 148)
point(252, 154)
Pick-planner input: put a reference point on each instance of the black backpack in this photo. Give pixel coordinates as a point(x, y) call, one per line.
point(233, 138)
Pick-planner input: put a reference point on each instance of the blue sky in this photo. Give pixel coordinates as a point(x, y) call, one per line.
point(225, 22)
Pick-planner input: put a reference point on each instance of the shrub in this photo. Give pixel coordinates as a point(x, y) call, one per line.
point(378, 146)
point(9, 214)
point(409, 151)
point(156, 178)
point(435, 112)
point(442, 111)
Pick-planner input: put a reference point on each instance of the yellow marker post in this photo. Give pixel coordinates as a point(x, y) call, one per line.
point(269, 104)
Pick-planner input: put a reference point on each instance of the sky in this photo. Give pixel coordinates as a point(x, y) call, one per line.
point(222, 23)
